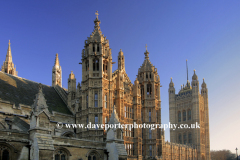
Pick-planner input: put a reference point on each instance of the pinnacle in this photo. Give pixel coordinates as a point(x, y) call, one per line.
point(9, 53)
point(57, 60)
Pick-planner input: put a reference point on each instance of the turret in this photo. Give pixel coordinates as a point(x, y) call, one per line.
point(71, 88)
point(57, 73)
point(121, 61)
point(204, 90)
point(195, 83)
point(8, 66)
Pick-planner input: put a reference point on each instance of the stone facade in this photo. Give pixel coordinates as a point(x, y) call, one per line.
point(31, 113)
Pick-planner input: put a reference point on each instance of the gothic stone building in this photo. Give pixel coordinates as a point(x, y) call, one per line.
point(31, 112)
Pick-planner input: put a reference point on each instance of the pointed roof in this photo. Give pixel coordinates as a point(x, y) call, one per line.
point(204, 85)
point(114, 117)
point(147, 65)
point(9, 53)
point(194, 77)
point(97, 22)
point(40, 101)
point(57, 60)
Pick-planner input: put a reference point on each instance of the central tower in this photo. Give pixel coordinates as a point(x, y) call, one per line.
point(96, 84)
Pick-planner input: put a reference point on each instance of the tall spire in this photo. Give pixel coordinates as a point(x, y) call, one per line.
point(97, 22)
point(57, 60)
point(8, 66)
point(9, 53)
point(57, 73)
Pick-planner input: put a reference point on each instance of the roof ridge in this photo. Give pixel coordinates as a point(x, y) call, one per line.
point(25, 79)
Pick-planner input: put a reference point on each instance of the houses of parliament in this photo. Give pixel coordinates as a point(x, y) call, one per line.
point(31, 112)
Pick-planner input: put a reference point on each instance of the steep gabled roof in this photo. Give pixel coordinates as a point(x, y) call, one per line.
point(18, 90)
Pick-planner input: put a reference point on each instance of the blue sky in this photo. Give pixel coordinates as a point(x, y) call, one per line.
point(207, 33)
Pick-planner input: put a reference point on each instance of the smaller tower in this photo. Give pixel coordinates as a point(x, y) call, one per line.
point(71, 90)
point(57, 73)
point(8, 66)
point(121, 61)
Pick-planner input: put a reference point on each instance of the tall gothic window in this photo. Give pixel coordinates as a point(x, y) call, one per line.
point(96, 99)
point(97, 47)
point(149, 89)
point(185, 138)
point(179, 138)
point(189, 114)
point(179, 116)
point(150, 115)
point(150, 150)
point(96, 121)
point(93, 47)
point(95, 65)
point(184, 115)
point(190, 138)
point(150, 133)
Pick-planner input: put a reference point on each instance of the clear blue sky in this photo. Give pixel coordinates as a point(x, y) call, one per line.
point(207, 33)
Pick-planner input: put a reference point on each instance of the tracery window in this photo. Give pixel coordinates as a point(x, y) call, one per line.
point(61, 155)
point(184, 138)
point(189, 114)
point(179, 116)
point(96, 99)
point(92, 156)
point(184, 115)
point(150, 115)
point(95, 65)
point(150, 150)
point(190, 138)
point(149, 89)
point(180, 138)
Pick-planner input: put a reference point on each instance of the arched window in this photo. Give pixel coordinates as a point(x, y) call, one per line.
point(96, 121)
point(190, 138)
point(96, 99)
point(150, 115)
point(4, 153)
point(150, 133)
point(61, 155)
point(179, 116)
point(93, 156)
point(93, 48)
point(150, 150)
point(189, 114)
point(146, 75)
point(184, 138)
point(180, 138)
point(184, 115)
point(149, 89)
point(95, 65)
point(97, 47)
